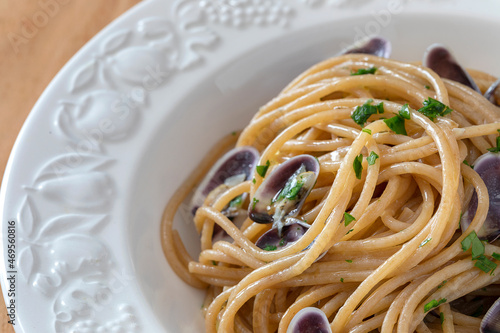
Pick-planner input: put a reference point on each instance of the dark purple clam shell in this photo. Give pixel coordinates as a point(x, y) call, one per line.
point(376, 46)
point(236, 165)
point(488, 168)
point(290, 233)
point(491, 320)
point(309, 320)
point(490, 93)
point(440, 60)
point(262, 205)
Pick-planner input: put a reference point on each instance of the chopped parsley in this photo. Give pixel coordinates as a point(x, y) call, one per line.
point(485, 264)
point(434, 304)
point(372, 158)
point(262, 169)
point(477, 248)
point(427, 240)
point(397, 124)
point(467, 163)
point(254, 202)
point(349, 261)
point(282, 242)
point(358, 166)
point(427, 86)
point(405, 112)
point(496, 256)
point(363, 71)
point(342, 280)
point(233, 133)
point(363, 112)
point(291, 189)
point(497, 148)
point(270, 248)
point(441, 318)
point(347, 233)
point(433, 108)
point(214, 262)
point(367, 130)
point(254, 180)
point(472, 241)
point(442, 284)
point(236, 202)
point(348, 218)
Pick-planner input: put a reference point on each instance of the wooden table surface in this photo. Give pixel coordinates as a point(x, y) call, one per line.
point(31, 55)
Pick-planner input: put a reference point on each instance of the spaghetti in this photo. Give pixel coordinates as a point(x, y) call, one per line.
point(383, 248)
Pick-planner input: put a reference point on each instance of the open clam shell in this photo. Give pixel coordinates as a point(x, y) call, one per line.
point(309, 320)
point(377, 46)
point(488, 168)
point(492, 91)
point(283, 192)
point(491, 320)
point(234, 167)
point(438, 58)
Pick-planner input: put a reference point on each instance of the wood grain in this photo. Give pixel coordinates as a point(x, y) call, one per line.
point(36, 39)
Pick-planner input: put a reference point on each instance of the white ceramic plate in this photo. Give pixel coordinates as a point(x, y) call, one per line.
point(135, 110)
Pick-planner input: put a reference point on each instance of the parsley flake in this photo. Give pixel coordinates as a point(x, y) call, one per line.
point(270, 248)
point(434, 304)
point(367, 130)
point(427, 86)
point(495, 256)
point(497, 148)
point(262, 169)
point(349, 261)
point(363, 112)
point(441, 318)
point(358, 166)
point(485, 264)
point(405, 112)
point(433, 108)
point(348, 218)
point(427, 240)
point(472, 241)
point(372, 158)
point(363, 71)
point(397, 124)
point(342, 280)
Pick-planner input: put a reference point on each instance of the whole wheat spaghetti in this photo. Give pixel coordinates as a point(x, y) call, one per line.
point(383, 248)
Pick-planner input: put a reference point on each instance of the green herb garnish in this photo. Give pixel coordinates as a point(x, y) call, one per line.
point(236, 202)
point(427, 240)
point(349, 261)
point(397, 124)
point(270, 248)
point(363, 112)
point(254, 202)
point(342, 280)
point(485, 264)
point(427, 86)
point(433, 108)
point(358, 166)
point(367, 130)
point(363, 71)
point(348, 218)
point(497, 148)
point(262, 169)
point(372, 158)
point(472, 241)
point(441, 318)
point(442, 284)
point(495, 256)
point(347, 233)
point(467, 163)
point(405, 112)
point(434, 304)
